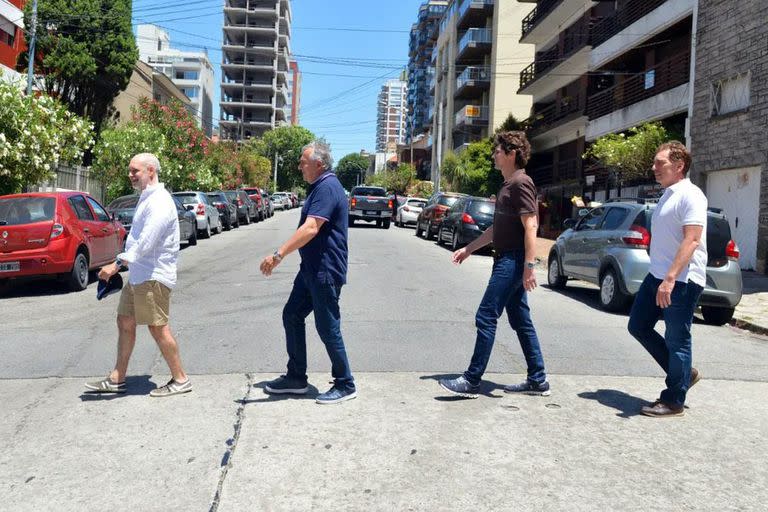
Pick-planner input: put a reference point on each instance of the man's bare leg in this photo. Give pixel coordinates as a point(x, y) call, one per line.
point(126, 340)
point(170, 350)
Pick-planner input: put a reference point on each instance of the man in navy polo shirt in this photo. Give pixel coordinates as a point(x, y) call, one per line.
point(322, 243)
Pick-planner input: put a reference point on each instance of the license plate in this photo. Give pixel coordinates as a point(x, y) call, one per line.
point(11, 266)
point(370, 212)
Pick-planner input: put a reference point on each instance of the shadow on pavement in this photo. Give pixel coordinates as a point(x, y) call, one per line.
point(271, 397)
point(487, 388)
point(626, 404)
point(134, 385)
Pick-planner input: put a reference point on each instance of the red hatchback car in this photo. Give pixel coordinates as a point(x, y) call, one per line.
point(56, 233)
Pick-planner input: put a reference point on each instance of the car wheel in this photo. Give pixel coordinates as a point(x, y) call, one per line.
point(206, 233)
point(717, 316)
point(428, 232)
point(386, 224)
point(439, 236)
point(611, 296)
point(78, 276)
point(555, 278)
point(351, 222)
point(247, 219)
point(192, 240)
point(418, 229)
point(378, 223)
point(455, 241)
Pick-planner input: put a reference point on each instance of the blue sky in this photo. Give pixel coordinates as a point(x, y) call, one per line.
point(345, 48)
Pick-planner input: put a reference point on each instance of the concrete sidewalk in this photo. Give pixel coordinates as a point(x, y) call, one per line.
point(402, 445)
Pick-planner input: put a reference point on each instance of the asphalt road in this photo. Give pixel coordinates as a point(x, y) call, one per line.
point(405, 308)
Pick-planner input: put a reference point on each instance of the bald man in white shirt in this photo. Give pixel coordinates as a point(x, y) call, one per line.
point(151, 254)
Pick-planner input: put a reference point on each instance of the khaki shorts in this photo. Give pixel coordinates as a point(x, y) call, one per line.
point(149, 303)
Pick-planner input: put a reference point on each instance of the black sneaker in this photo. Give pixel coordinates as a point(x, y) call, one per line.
point(461, 387)
point(287, 385)
point(336, 395)
point(529, 388)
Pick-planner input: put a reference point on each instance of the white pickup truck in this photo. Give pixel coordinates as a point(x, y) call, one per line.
point(370, 204)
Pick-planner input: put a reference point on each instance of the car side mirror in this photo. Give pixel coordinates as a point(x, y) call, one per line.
point(569, 223)
point(189, 207)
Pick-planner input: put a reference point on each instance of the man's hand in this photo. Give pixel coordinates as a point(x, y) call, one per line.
point(460, 255)
point(664, 293)
point(268, 264)
point(108, 271)
point(529, 280)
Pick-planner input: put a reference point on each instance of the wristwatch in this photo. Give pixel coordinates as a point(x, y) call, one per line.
point(277, 256)
point(118, 262)
point(530, 264)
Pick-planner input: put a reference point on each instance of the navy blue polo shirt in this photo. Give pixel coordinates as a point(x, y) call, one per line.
point(325, 256)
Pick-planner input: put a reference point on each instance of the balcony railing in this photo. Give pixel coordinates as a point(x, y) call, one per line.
point(618, 21)
point(539, 12)
point(472, 115)
point(553, 115)
point(666, 75)
point(480, 5)
point(475, 37)
point(569, 170)
point(473, 74)
point(576, 39)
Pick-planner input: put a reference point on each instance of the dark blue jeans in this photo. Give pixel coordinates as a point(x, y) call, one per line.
point(310, 295)
point(673, 350)
point(505, 291)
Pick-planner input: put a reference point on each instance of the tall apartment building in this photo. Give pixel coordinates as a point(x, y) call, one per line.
point(192, 72)
point(294, 94)
point(477, 61)
point(255, 59)
point(600, 68)
point(420, 70)
point(11, 36)
point(730, 120)
point(391, 116)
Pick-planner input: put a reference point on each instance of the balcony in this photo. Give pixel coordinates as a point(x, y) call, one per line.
point(618, 21)
point(667, 75)
point(567, 59)
point(472, 115)
point(475, 43)
point(473, 13)
point(554, 115)
point(538, 13)
point(569, 170)
point(256, 84)
point(549, 17)
point(472, 82)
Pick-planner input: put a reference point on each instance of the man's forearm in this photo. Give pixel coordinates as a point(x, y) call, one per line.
point(299, 239)
point(682, 258)
point(481, 241)
point(531, 226)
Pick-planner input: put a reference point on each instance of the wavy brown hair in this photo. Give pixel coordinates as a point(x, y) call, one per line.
point(517, 142)
point(677, 153)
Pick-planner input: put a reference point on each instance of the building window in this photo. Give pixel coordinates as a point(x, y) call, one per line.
point(731, 95)
point(187, 75)
point(7, 33)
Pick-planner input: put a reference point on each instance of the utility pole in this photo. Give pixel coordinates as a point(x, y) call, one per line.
point(439, 154)
point(31, 69)
point(277, 157)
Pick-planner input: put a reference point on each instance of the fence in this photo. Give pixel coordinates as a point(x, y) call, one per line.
point(73, 178)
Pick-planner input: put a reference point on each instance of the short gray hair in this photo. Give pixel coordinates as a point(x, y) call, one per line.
point(321, 151)
point(149, 159)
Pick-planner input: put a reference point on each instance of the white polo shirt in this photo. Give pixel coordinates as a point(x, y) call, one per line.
point(682, 204)
point(152, 247)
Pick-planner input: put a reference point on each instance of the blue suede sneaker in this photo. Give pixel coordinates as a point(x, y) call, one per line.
point(529, 388)
point(460, 386)
point(336, 395)
point(287, 385)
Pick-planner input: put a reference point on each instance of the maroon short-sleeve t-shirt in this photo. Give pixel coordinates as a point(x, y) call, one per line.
point(516, 197)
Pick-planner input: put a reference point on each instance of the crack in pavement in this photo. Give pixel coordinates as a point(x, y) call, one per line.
point(226, 460)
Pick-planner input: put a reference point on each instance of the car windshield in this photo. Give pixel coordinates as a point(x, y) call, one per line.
point(447, 200)
point(416, 203)
point(124, 202)
point(251, 191)
point(231, 195)
point(481, 208)
point(188, 198)
point(25, 210)
point(369, 191)
point(215, 197)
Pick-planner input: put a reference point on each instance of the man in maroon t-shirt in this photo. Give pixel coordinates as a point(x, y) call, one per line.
point(513, 234)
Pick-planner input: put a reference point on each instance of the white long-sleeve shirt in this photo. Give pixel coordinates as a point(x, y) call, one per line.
point(152, 247)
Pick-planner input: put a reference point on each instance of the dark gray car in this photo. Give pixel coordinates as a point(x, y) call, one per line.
point(246, 208)
point(123, 209)
point(608, 246)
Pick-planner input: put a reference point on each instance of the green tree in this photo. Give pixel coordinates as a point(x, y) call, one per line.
point(476, 173)
point(287, 142)
point(512, 124)
point(85, 52)
point(421, 189)
point(36, 132)
point(631, 154)
point(449, 170)
point(350, 168)
point(257, 169)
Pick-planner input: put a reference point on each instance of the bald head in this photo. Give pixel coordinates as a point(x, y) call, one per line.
point(143, 171)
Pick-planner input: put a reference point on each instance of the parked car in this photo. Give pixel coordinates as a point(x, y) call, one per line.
point(246, 209)
point(208, 220)
point(409, 210)
point(269, 207)
point(226, 208)
point(123, 208)
point(281, 200)
point(370, 204)
point(294, 199)
point(255, 195)
point(465, 221)
point(428, 221)
point(56, 233)
point(609, 246)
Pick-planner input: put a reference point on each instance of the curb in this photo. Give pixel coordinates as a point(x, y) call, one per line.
point(748, 326)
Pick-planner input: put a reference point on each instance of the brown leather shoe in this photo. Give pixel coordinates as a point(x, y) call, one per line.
point(695, 377)
point(661, 410)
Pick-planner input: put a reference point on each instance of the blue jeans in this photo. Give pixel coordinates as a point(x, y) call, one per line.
point(310, 295)
point(673, 350)
point(505, 291)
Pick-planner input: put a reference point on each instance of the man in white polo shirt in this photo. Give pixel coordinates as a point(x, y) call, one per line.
point(151, 253)
point(676, 278)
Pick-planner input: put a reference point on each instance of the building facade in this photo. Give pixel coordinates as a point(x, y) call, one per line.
point(146, 82)
point(11, 36)
point(601, 68)
point(477, 61)
point(294, 93)
point(192, 72)
point(255, 67)
point(391, 116)
point(730, 120)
